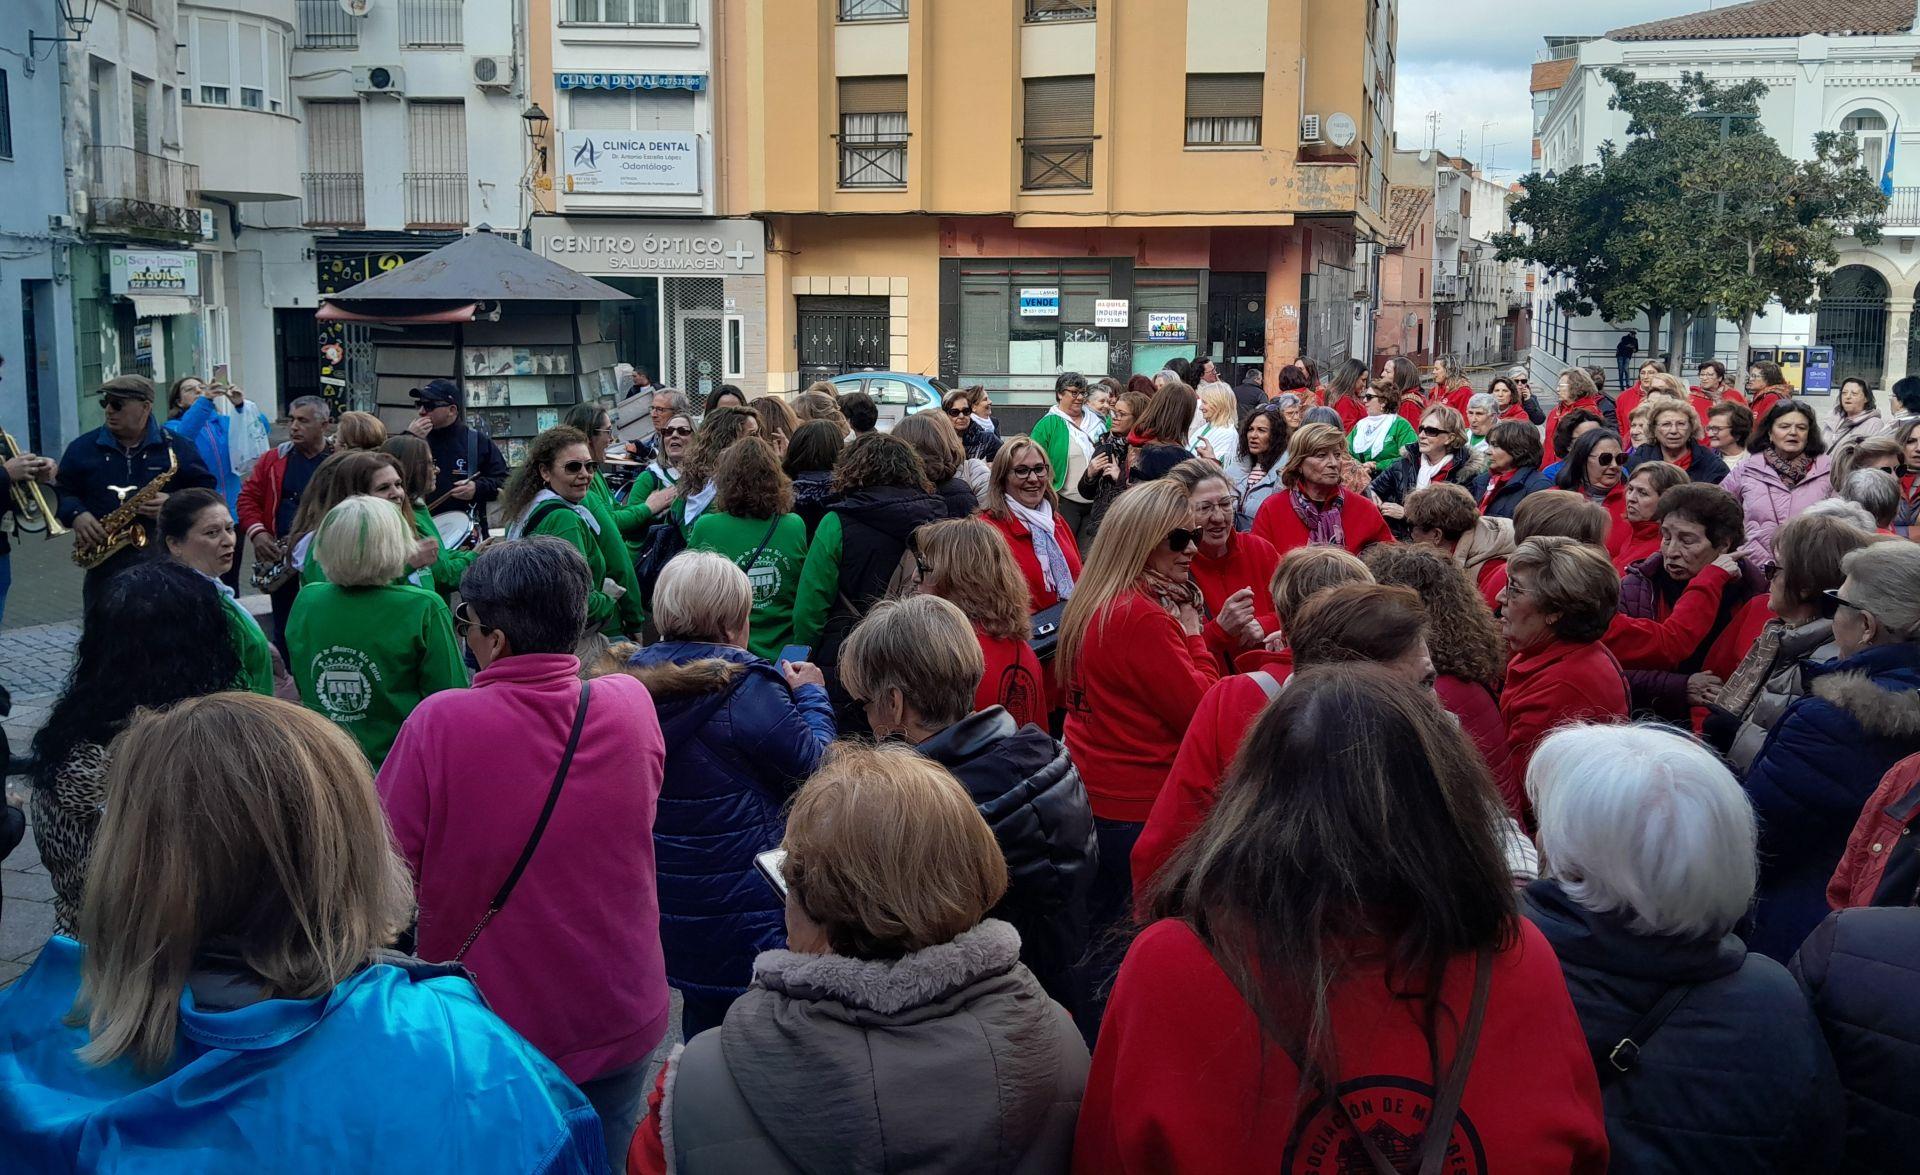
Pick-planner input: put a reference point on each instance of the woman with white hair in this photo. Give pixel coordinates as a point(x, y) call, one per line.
point(1708, 1055)
point(1217, 424)
point(1877, 492)
point(742, 735)
point(1830, 749)
point(363, 648)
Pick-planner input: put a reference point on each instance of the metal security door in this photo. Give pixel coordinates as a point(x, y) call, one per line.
point(840, 335)
point(1237, 321)
point(1853, 321)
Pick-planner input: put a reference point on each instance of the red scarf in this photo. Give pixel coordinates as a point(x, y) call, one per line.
point(1493, 486)
point(1683, 461)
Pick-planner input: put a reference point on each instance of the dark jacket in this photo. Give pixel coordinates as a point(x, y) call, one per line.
point(875, 524)
point(463, 451)
point(1466, 469)
point(1527, 479)
point(1247, 397)
point(812, 493)
point(1737, 1078)
point(980, 441)
point(1647, 593)
point(957, 498)
point(1860, 969)
point(95, 463)
point(739, 744)
point(1032, 798)
point(1706, 466)
point(1814, 774)
point(1155, 461)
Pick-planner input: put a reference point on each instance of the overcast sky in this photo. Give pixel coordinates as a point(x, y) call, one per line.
point(1469, 60)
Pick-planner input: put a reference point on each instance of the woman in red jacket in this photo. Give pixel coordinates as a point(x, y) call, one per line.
point(1467, 653)
point(1343, 923)
point(1316, 509)
point(963, 561)
point(1021, 505)
point(1558, 603)
point(1406, 379)
point(1576, 390)
point(1135, 665)
point(1766, 386)
point(1344, 389)
point(1231, 569)
point(1596, 469)
point(1642, 495)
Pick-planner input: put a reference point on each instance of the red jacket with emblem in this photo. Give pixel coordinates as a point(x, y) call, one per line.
point(1201, 1091)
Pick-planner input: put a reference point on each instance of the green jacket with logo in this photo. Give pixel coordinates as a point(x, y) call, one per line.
point(775, 574)
point(363, 657)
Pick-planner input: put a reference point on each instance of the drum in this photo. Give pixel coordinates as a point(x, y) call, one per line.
point(456, 529)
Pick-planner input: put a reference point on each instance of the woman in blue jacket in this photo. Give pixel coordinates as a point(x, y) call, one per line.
point(1829, 750)
point(742, 736)
point(202, 417)
point(240, 1013)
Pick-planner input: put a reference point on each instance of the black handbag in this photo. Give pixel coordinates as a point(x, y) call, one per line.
point(1046, 630)
point(664, 540)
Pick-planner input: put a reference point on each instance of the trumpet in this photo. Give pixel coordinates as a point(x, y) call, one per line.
point(31, 506)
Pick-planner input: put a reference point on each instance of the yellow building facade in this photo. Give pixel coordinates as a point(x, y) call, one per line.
point(992, 191)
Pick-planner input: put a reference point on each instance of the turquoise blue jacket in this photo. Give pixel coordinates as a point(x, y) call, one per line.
point(210, 432)
point(400, 1068)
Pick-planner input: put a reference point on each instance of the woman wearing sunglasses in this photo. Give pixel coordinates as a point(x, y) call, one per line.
point(1441, 454)
point(658, 485)
point(1596, 469)
point(547, 495)
point(980, 442)
point(1135, 663)
point(1384, 433)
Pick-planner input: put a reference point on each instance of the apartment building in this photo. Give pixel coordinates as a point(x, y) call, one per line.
point(628, 189)
point(997, 191)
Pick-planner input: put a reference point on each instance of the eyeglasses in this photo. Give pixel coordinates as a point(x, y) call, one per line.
point(114, 403)
point(1026, 471)
point(1838, 601)
point(1221, 506)
point(464, 619)
point(1606, 459)
point(1370, 397)
point(960, 413)
point(572, 466)
point(1429, 431)
point(1180, 539)
point(671, 431)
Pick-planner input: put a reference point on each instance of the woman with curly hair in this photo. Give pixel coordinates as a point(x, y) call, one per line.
point(857, 551)
point(547, 495)
point(752, 523)
point(1466, 649)
point(718, 430)
point(777, 421)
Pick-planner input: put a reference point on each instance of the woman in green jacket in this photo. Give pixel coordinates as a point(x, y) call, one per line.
point(1382, 435)
point(346, 474)
point(546, 495)
point(618, 524)
point(198, 531)
point(365, 650)
point(418, 474)
point(1067, 434)
point(752, 523)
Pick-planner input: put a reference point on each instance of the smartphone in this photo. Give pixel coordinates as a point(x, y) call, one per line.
point(793, 653)
point(769, 864)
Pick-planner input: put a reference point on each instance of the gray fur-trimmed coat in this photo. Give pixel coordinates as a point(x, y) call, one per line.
point(949, 1059)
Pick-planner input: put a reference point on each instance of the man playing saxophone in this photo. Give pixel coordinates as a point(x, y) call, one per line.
point(106, 466)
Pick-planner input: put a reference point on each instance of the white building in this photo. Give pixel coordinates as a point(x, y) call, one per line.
point(1840, 65)
point(635, 190)
point(1474, 301)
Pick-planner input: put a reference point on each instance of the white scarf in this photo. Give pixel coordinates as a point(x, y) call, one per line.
point(1054, 568)
point(1368, 434)
point(1081, 433)
point(519, 528)
point(1427, 472)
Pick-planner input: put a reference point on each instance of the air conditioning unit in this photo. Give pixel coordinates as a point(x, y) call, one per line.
point(1309, 128)
point(379, 79)
point(62, 221)
point(492, 73)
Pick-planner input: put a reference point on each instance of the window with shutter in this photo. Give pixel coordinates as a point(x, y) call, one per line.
point(213, 55)
point(873, 132)
point(436, 163)
point(1057, 133)
point(1223, 109)
point(335, 188)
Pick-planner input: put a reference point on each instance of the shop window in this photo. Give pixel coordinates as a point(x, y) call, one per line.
point(1056, 143)
point(1167, 319)
point(630, 110)
point(873, 132)
point(1223, 109)
point(736, 364)
point(1021, 323)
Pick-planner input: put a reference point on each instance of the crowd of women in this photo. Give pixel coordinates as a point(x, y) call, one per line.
point(1367, 772)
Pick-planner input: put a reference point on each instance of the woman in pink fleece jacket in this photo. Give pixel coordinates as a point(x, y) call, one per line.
point(572, 961)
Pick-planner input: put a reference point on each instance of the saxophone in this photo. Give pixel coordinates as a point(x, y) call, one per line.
point(123, 525)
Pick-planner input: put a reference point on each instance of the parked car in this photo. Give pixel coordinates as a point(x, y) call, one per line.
point(899, 394)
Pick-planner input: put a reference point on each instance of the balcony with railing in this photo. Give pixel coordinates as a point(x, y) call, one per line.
point(851, 10)
point(436, 199)
point(335, 199)
point(1039, 11)
point(323, 24)
point(1056, 164)
point(141, 194)
point(1446, 222)
point(873, 161)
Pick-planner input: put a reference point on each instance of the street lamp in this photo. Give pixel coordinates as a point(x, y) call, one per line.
point(75, 14)
point(537, 123)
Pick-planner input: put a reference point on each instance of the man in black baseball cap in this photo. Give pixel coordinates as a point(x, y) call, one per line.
point(471, 467)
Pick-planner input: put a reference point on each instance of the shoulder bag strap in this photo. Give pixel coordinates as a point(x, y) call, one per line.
point(539, 826)
point(759, 550)
point(1446, 1103)
point(1624, 1057)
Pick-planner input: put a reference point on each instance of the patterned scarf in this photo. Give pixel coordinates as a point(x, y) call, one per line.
point(1054, 569)
point(1792, 470)
point(1323, 523)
